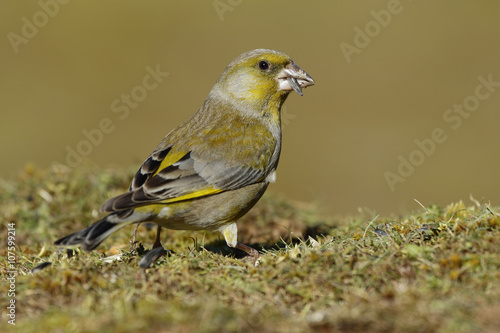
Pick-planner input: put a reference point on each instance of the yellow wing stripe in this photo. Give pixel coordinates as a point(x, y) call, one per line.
point(194, 195)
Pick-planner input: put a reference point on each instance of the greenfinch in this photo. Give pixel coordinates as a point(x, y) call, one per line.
point(211, 169)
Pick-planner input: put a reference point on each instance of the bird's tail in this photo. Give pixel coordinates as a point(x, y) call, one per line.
point(92, 236)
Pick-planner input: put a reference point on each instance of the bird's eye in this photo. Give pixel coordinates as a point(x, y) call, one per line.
point(264, 65)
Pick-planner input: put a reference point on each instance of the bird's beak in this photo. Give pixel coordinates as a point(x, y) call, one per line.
point(294, 78)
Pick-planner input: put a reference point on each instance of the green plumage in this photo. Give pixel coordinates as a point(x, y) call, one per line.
point(211, 169)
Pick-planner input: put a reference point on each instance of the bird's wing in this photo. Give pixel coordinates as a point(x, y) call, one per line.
point(169, 176)
point(219, 151)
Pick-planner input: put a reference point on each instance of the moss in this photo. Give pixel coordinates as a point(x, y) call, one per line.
point(434, 270)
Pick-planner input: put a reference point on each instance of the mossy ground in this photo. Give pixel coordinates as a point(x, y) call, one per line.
point(437, 270)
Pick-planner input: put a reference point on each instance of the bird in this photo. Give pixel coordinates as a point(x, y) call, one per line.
point(211, 169)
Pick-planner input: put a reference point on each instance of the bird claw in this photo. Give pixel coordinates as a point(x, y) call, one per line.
point(253, 260)
point(151, 257)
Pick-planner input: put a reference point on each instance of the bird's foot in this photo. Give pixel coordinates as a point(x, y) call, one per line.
point(253, 255)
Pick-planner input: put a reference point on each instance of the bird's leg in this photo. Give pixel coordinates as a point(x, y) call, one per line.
point(253, 253)
point(156, 252)
point(132, 241)
point(157, 240)
point(230, 233)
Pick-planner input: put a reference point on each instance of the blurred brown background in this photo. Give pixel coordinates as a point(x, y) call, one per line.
point(64, 64)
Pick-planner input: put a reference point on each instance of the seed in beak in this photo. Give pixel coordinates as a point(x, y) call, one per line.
point(295, 85)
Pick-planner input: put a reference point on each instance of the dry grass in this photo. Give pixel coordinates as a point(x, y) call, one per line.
point(433, 271)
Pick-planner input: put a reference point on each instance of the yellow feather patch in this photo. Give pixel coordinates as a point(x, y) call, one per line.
point(198, 194)
point(172, 157)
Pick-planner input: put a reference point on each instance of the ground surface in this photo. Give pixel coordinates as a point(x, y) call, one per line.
point(433, 271)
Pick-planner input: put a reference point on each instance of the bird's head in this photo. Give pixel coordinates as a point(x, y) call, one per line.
point(260, 79)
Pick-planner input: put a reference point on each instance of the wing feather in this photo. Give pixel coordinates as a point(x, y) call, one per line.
point(184, 179)
point(198, 165)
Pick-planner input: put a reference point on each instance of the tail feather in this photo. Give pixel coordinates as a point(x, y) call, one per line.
point(91, 237)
